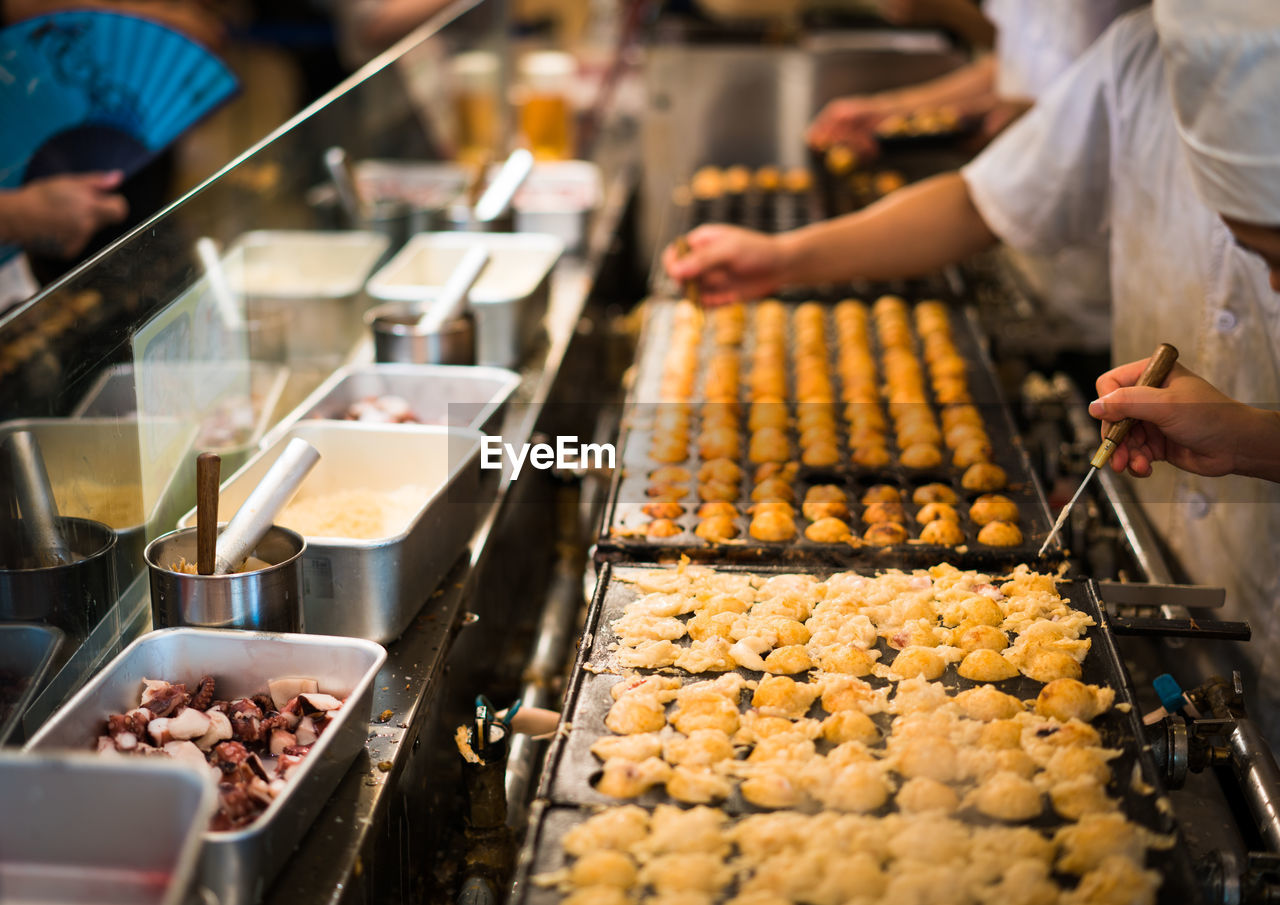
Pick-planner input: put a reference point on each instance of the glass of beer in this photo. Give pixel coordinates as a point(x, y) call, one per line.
point(546, 116)
point(476, 93)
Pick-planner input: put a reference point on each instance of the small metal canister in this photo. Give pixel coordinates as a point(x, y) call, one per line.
point(265, 600)
point(397, 337)
point(73, 597)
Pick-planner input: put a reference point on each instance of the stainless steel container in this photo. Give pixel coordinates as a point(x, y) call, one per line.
point(235, 867)
point(25, 654)
point(309, 282)
point(398, 338)
point(436, 394)
point(220, 396)
point(372, 588)
point(99, 471)
point(265, 600)
point(73, 597)
point(80, 828)
point(509, 301)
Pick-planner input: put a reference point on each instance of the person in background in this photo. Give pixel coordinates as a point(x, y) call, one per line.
point(368, 27)
point(1185, 196)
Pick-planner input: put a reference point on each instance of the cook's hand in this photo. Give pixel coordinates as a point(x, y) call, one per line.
point(852, 121)
point(1187, 422)
point(729, 263)
point(60, 214)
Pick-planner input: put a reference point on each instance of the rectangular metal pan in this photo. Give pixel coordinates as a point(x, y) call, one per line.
point(114, 395)
point(571, 769)
point(100, 831)
point(237, 867)
point(472, 397)
point(372, 588)
point(26, 650)
point(509, 301)
point(622, 535)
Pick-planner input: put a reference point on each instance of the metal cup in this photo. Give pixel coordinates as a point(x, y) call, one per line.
point(397, 337)
point(73, 597)
point(267, 600)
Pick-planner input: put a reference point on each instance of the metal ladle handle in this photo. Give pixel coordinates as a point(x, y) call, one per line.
point(36, 502)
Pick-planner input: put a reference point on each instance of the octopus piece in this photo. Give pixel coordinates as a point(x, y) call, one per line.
point(603, 867)
point(630, 779)
point(920, 455)
point(202, 698)
point(663, 510)
point(616, 828)
point(698, 785)
point(162, 698)
point(1000, 534)
point(984, 665)
point(635, 714)
point(850, 726)
point(984, 476)
point(1008, 797)
point(923, 795)
point(942, 532)
point(662, 527)
point(784, 697)
point(717, 529)
point(993, 507)
point(1066, 699)
point(934, 493)
point(773, 527)
point(828, 530)
point(788, 660)
point(931, 512)
point(885, 534)
point(627, 747)
point(987, 703)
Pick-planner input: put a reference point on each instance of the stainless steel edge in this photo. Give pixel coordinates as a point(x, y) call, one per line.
point(29, 650)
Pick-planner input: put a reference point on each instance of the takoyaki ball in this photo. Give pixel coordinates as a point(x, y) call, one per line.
point(821, 455)
point(883, 512)
point(950, 366)
point(784, 470)
point(669, 451)
point(871, 456)
point(719, 443)
point(1000, 534)
point(707, 184)
point(772, 526)
point(737, 179)
point(963, 433)
point(663, 527)
point(917, 432)
point(665, 510)
point(777, 506)
point(863, 435)
point(984, 476)
point(825, 493)
point(859, 394)
point(819, 434)
point(768, 178)
point(932, 512)
point(864, 414)
point(840, 159)
point(714, 491)
point(934, 493)
point(888, 181)
point(769, 444)
point(943, 532)
point(993, 507)
point(815, 391)
point(970, 453)
point(724, 471)
point(797, 180)
point(669, 492)
point(960, 414)
point(882, 493)
point(888, 306)
point(828, 531)
point(885, 534)
point(715, 508)
point(812, 414)
point(719, 417)
point(817, 510)
point(767, 384)
point(921, 455)
point(670, 474)
point(773, 490)
point(951, 391)
point(767, 413)
point(717, 529)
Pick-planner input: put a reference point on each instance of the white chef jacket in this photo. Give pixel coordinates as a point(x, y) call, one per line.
point(1099, 157)
point(1037, 41)
point(16, 282)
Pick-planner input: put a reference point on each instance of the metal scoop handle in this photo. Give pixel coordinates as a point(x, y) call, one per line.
point(452, 300)
point(502, 190)
point(35, 500)
point(343, 175)
point(255, 517)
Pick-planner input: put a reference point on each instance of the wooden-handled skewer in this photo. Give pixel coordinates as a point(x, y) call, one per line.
point(208, 472)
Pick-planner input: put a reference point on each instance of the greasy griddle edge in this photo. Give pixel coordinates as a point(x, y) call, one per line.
point(1024, 488)
point(566, 796)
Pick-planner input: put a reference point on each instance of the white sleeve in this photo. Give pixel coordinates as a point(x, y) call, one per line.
point(1043, 183)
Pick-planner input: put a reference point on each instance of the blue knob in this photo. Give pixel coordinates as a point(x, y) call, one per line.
point(1169, 692)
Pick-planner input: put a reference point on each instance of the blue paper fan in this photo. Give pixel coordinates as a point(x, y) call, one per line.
point(92, 90)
